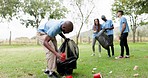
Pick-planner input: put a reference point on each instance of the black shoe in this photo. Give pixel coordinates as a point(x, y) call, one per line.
point(127, 56)
point(46, 71)
point(53, 75)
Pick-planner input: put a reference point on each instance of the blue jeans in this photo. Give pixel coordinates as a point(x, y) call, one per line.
point(123, 43)
point(93, 45)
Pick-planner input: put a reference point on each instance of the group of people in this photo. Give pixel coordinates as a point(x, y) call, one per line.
point(47, 32)
point(108, 26)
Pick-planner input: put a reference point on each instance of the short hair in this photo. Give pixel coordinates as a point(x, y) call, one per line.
point(121, 12)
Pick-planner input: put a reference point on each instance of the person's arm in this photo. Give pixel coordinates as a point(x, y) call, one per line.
point(123, 27)
point(63, 36)
point(112, 27)
point(48, 46)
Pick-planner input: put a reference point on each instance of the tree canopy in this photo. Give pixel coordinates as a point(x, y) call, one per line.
point(142, 5)
point(39, 9)
point(132, 8)
point(9, 9)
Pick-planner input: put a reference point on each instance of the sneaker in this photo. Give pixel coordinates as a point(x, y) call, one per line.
point(53, 75)
point(120, 57)
point(93, 54)
point(46, 71)
point(127, 56)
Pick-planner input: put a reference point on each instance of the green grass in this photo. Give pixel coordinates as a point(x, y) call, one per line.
point(26, 61)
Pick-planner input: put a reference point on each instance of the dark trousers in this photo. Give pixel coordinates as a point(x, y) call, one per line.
point(123, 43)
point(112, 46)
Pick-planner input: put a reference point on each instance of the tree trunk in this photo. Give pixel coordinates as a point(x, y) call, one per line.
point(77, 38)
point(89, 40)
point(10, 38)
point(138, 36)
point(37, 40)
point(134, 33)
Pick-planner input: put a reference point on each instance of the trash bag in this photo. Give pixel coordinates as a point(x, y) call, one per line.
point(103, 39)
point(72, 53)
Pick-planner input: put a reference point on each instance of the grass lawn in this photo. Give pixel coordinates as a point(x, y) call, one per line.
point(28, 61)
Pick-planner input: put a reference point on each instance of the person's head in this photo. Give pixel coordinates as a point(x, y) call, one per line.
point(67, 27)
point(120, 13)
point(103, 18)
point(96, 21)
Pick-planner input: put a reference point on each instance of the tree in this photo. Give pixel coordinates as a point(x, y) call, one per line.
point(130, 9)
point(8, 10)
point(38, 9)
point(83, 9)
point(142, 5)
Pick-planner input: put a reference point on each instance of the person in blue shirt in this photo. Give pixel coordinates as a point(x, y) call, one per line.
point(46, 35)
point(96, 28)
point(108, 26)
point(124, 29)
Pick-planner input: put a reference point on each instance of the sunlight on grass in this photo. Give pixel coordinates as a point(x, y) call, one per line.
point(29, 61)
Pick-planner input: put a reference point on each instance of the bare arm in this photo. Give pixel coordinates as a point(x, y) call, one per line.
point(48, 46)
point(112, 27)
point(63, 36)
point(123, 27)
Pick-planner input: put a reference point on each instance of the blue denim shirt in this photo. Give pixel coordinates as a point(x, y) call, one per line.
point(123, 20)
point(51, 28)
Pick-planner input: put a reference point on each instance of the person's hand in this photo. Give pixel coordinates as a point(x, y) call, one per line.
point(67, 39)
point(94, 31)
point(119, 37)
point(58, 55)
point(63, 56)
point(106, 29)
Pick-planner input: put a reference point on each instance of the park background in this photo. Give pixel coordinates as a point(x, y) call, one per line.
point(22, 57)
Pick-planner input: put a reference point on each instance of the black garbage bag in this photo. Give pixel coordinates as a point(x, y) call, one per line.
point(72, 53)
point(103, 39)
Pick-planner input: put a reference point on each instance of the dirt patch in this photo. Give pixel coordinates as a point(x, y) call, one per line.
point(3, 75)
point(145, 56)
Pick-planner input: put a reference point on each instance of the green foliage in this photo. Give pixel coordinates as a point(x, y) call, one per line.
point(128, 6)
point(131, 8)
point(57, 11)
point(38, 9)
point(143, 6)
point(9, 8)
